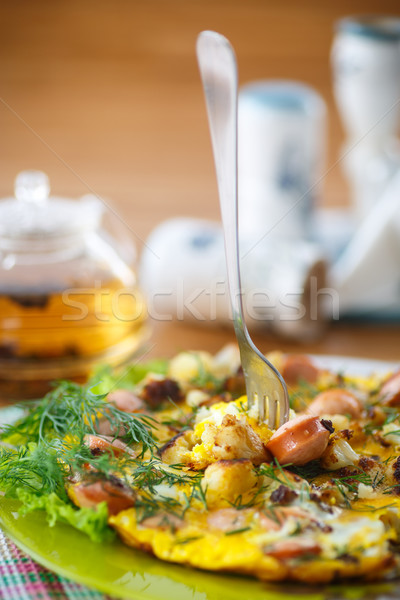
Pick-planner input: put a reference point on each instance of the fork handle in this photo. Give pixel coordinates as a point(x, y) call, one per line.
point(218, 70)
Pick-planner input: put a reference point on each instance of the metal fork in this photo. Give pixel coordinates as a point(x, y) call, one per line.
point(218, 70)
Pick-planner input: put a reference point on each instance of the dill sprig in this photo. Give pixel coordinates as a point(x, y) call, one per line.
point(352, 480)
point(256, 499)
point(45, 468)
point(31, 467)
point(300, 397)
point(187, 540)
point(148, 474)
point(308, 471)
point(73, 408)
point(182, 420)
point(206, 379)
point(392, 416)
point(348, 484)
point(79, 461)
point(147, 506)
point(235, 531)
point(275, 471)
point(53, 452)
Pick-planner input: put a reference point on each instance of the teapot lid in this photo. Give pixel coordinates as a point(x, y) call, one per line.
point(33, 214)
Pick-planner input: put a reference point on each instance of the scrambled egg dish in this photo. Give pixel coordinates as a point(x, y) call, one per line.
point(315, 501)
point(176, 462)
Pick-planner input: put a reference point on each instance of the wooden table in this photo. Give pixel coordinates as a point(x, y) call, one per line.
point(106, 97)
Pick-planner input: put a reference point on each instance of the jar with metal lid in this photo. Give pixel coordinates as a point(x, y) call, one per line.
point(68, 292)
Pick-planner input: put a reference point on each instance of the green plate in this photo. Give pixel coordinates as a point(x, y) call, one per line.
point(115, 569)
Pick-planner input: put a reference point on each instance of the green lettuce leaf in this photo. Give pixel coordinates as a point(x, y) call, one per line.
point(91, 521)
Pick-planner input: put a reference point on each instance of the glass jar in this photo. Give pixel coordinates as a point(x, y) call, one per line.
point(68, 292)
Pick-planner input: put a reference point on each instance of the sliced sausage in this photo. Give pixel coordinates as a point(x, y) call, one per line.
point(288, 549)
point(123, 400)
point(298, 441)
point(106, 428)
point(336, 401)
point(390, 391)
point(227, 519)
point(271, 523)
point(163, 520)
point(126, 401)
point(98, 445)
point(297, 368)
point(117, 495)
point(280, 514)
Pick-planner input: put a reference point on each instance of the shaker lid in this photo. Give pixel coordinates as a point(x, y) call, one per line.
point(34, 214)
point(379, 27)
point(280, 95)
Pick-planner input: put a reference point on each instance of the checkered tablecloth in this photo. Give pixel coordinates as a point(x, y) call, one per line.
point(23, 579)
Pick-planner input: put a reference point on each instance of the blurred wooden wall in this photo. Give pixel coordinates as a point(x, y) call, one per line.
point(105, 95)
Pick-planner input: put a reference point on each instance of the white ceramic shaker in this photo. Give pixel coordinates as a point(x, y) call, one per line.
point(366, 69)
point(281, 147)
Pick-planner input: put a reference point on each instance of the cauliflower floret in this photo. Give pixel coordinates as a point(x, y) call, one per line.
point(391, 433)
point(195, 398)
point(339, 422)
point(178, 449)
point(338, 454)
point(226, 361)
point(236, 439)
point(216, 412)
point(218, 437)
point(186, 366)
point(225, 480)
point(366, 492)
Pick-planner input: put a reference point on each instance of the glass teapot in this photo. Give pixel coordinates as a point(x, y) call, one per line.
point(68, 292)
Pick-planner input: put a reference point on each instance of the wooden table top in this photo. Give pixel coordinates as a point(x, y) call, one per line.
point(106, 98)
